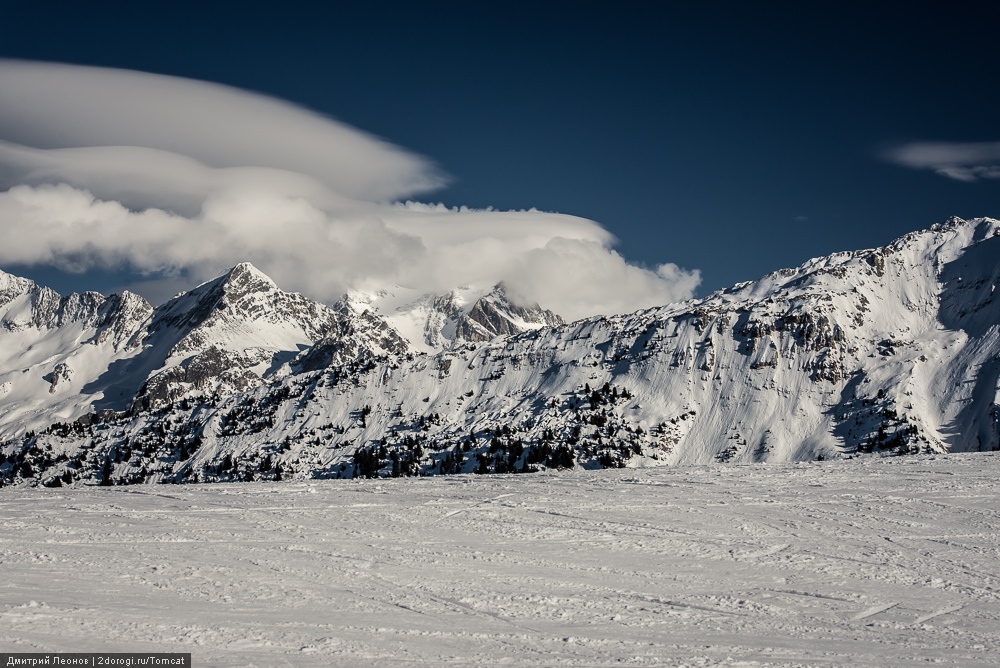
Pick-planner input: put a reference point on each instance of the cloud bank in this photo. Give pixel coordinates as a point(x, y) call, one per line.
point(967, 162)
point(179, 180)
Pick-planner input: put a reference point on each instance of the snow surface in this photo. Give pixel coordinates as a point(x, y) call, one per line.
point(862, 562)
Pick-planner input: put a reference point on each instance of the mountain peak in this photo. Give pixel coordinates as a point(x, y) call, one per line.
point(494, 314)
point(12, 286)
point(246, 269)
point(245, 278)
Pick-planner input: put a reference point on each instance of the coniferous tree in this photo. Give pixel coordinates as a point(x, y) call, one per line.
point(106, 472)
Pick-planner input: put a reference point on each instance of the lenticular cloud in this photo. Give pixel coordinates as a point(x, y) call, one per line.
point(166, 176)
point(961, 161)
point(52, 106)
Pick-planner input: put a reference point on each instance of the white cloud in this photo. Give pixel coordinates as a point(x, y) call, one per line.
point(56, 106)
point(180, 180)
point(967, 162)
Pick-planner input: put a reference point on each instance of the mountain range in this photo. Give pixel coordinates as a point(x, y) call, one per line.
point(891, 350)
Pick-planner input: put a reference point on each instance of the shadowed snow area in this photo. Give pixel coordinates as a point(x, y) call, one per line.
point(870, 562)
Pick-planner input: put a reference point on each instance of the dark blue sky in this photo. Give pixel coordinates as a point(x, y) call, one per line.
point(735, 138)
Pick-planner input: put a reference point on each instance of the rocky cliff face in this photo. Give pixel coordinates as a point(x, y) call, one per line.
point(435, 322)
point(26, 305)
point(891, 350)
point(495, 315)
point(230, 333)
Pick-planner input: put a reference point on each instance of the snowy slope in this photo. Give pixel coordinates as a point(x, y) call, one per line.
point(53, 349)
point(869, 562)
point(66, 357)
point(890, 350)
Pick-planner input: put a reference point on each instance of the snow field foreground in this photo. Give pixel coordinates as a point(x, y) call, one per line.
point(865, 562)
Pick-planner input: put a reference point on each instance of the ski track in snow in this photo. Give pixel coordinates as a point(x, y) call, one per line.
point(870, 562)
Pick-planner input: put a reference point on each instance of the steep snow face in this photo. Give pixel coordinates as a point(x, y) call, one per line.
point(53, 348)
point(890, 350)
point(969, 388)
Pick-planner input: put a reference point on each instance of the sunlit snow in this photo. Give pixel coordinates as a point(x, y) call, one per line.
point(864, 562)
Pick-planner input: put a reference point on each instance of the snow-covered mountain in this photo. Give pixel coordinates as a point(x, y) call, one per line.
point(64, 358)
point(432, 323)
point(895, 349)
point(53, 350)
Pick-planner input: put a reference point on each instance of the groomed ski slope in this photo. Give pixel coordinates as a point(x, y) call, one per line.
point(865, 562)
